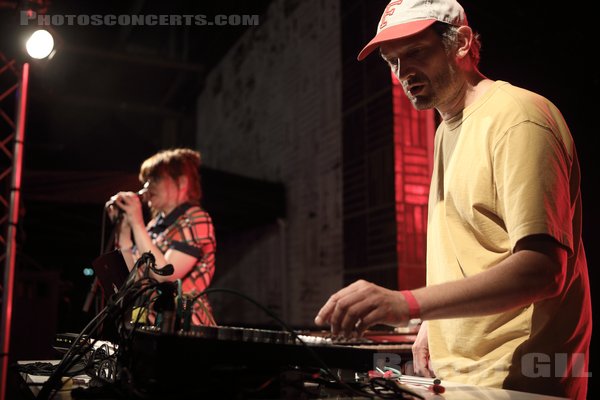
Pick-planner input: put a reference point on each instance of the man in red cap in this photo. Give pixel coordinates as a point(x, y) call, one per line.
point(507, 302)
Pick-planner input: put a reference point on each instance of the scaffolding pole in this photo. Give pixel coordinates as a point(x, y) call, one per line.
point(13, 220)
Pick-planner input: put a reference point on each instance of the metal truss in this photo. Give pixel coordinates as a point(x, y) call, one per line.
point(9, 83)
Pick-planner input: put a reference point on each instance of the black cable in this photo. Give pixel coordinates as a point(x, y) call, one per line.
point(36, 368)
point(104, 385)
point(127, 340)
point(66, 361)
point(323, 365)
point(107, 313)
point(101, 365)
point(75, 353)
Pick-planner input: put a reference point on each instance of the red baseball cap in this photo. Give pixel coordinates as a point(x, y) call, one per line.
point(402, 18)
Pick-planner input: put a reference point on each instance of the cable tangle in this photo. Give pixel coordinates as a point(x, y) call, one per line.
point(110, 368)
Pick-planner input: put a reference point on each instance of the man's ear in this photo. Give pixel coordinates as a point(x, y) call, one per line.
point(465, 39)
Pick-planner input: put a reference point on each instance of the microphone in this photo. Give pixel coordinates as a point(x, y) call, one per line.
point(140, 194)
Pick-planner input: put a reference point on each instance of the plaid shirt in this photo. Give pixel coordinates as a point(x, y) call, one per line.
point(189, 229)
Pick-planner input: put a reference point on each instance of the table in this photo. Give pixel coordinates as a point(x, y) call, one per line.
point(453, 391)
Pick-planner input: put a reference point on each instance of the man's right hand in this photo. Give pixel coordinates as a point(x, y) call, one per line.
point(353, 309)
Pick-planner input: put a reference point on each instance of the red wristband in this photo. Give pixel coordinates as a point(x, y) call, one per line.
point(414, 311)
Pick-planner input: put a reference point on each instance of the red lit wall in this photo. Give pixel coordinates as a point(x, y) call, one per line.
point(413, 154)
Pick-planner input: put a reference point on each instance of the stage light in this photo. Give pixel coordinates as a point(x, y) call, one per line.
point(40, 44)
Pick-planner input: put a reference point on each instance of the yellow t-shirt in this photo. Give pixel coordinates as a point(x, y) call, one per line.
point(504, 169)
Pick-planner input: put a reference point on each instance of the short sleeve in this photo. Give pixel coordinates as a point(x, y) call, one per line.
point(195, 234)
point(532, 169)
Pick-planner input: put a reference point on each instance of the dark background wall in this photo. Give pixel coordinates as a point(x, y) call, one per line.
point(272, 110)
